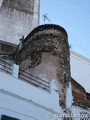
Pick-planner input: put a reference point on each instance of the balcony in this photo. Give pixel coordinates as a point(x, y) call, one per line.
point(7, 67)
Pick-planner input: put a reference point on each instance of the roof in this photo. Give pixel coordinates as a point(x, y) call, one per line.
point(79, 56)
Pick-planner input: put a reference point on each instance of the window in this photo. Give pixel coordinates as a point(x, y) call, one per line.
point(4, 117)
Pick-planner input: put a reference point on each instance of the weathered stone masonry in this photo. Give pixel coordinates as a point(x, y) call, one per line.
point(17, 19)
point(51, 39)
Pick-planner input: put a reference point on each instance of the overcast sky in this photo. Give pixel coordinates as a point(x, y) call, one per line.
point(74, 16)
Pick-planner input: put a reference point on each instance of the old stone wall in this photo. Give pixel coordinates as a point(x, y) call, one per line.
point(17, 19)
point(45, 52)
point(7, 50)
point(80, 97)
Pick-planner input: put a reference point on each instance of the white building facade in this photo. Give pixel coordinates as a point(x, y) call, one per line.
point(20, 99)
point(80, 69)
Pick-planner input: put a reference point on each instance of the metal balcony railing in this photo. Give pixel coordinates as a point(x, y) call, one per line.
point(34, 80)
point(7, 67)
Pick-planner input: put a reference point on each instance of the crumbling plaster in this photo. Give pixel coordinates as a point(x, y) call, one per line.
point(46, 51)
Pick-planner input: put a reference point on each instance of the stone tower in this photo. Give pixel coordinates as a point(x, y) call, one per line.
point(17, 19)
point(45, 53)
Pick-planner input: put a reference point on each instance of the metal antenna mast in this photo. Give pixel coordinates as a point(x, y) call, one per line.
point(45, 18)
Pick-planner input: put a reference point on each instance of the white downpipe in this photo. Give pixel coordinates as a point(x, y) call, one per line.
point(15, 70)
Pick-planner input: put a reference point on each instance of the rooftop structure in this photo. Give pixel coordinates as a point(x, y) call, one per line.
point(17, 19)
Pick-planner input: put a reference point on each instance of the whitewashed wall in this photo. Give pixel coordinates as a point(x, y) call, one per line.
point(15, 24)
point(80, 113)
point(22, 100)
point(80, 69)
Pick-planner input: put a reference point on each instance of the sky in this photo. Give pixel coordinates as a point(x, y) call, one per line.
point(74, 16)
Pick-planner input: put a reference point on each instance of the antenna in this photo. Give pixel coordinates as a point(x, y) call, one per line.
point(45, 18)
